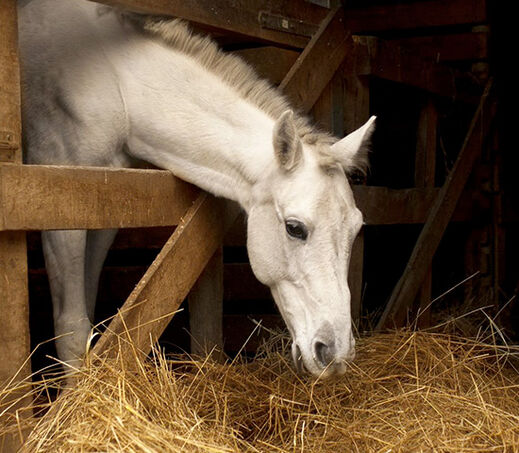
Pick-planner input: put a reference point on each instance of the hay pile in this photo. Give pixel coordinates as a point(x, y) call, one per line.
point(406, 391)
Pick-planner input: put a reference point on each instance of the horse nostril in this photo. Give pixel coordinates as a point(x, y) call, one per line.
point(297, 358)
point(324, 353)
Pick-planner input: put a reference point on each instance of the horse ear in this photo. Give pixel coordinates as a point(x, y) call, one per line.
point(352, 151)
point(287, 146)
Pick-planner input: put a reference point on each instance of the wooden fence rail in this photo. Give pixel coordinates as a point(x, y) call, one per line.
point(45, 197)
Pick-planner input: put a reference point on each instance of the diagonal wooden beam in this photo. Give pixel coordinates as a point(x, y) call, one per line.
point(164, 286)
point(318, 62)
point(441, 212)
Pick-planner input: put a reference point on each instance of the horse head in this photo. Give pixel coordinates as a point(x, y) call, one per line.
point(301, 226)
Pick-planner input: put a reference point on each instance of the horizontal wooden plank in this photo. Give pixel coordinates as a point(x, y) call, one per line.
point(447, 47)
point(117, 282)
point(271, 63)
point(240, 17)
point(384, 206)
point(40, 197)
point(34, 197)
point(389, 61)
point(412, 15)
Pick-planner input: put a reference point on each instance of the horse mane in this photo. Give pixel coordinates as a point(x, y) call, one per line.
point(238, 74)
point(230, 68)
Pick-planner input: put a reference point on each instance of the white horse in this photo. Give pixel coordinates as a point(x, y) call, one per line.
point(105, 88)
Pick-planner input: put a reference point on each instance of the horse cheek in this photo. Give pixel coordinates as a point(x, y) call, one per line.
point(265, 246)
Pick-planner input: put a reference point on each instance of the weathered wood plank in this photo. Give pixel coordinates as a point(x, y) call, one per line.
point(205, 302)
point(271, 63)
point(240, 16)
point(447, 47)
point(157, 296)
point(440, 215)
point(328, 109)
point(243, 16)
point(326, 50)
point(386, 59)
point(421, 14)
point(152, 198)
point(40, 197)
point(356, 100)
point(14, 304)
point(425, 171)
point(10, 122)
point(389, 61)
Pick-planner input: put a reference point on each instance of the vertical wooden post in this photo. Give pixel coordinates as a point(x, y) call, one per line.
point(328, 109)
point(498, 231)
point(356, 113)
point(14, 311)
point(206, 309)
point(425, 169)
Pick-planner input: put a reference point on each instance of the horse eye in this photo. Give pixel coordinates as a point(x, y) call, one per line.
point(296, 229)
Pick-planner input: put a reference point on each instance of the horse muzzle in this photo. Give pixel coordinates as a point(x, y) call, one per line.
point(322, 360)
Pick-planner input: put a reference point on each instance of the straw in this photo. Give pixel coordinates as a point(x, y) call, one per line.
point(406, 391)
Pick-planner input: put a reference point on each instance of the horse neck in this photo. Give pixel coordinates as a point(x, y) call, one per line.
point(184, 119)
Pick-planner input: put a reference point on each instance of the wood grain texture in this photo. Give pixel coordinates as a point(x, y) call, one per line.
point(271, 63)
point(41, 197)
point(242, 16)
point(205, 302)
point(424, 176)
point(447, 47)
point(10, 121)
point(356, 101)
point(420, 14)
point(235, 16)
point(14, 299)
point(315, 67)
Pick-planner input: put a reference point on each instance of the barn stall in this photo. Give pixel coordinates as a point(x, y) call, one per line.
point(422, 67)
